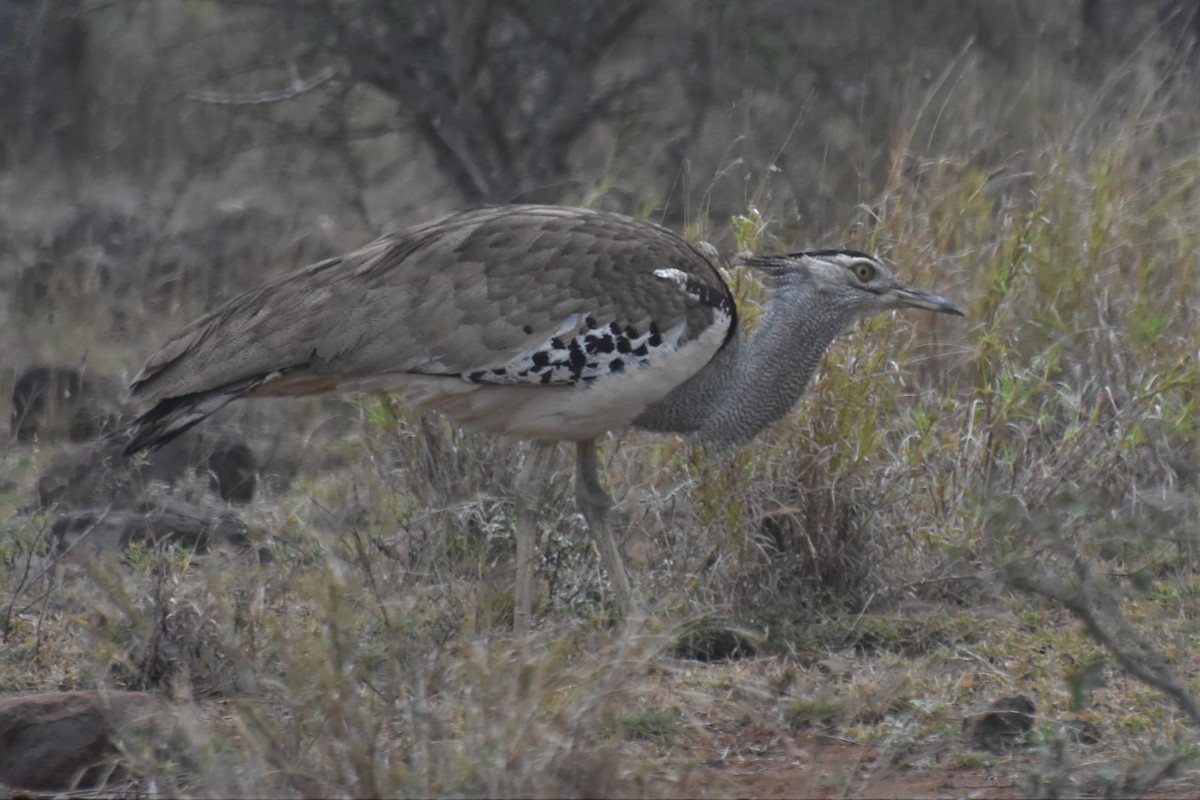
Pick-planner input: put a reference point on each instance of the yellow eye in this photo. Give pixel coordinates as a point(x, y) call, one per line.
point(864, 271)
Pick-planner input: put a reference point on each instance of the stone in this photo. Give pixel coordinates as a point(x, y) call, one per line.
point(156, 521)
point(100, 474)
point(1002, 726)
point(60, 741)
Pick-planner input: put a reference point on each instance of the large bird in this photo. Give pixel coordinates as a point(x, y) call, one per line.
point(537, 322)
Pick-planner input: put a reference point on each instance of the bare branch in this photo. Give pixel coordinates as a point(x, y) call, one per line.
point(298, 87)
point(500, 90)
point(610, 25)
point(1090, 598)
point(454, 143)
point(535, 23)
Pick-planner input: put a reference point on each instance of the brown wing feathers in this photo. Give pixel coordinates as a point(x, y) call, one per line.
point(171, 417)
point(454, 296)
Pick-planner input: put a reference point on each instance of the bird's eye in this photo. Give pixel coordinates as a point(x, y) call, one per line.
point(864, 271)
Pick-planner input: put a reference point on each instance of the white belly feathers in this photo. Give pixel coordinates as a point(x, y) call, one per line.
point(522, 403)
point(589, 376)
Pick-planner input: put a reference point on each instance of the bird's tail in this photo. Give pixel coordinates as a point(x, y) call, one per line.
point(174, 415)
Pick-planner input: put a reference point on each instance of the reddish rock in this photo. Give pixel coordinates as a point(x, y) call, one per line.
point(67, 740)
point(1002, 727)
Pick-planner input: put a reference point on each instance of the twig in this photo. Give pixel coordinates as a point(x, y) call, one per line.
point(1091, 600)
point(298, 87)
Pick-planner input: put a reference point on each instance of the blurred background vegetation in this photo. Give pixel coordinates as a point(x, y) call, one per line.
point(946, 505)
point(171, 152)
point(396, 111)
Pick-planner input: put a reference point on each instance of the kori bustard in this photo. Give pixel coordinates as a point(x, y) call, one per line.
point(537, 322)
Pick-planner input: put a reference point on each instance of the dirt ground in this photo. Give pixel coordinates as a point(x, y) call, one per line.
point(818, 766)
point(736, 744)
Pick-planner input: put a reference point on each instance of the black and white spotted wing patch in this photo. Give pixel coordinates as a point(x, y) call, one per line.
point(704, 294)
point(581, 351)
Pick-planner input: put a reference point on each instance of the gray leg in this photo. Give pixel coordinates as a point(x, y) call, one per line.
point(594, 503)
point(531, 494)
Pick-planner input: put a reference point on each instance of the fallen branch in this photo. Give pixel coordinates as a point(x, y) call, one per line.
point(298, 87)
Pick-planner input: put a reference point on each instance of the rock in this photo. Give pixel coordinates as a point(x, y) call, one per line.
point(836, 665)
point(1002, 726)
point(57, 402)
point(58, 741)
point(100, 474)
point(711, 640)
point(232, 471)
point(1081, 730)
point(162, 520)
point(115, 501)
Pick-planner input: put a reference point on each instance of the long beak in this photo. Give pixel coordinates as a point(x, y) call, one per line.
point(915, 298)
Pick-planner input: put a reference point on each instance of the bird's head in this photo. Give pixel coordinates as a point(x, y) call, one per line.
point(848, 279)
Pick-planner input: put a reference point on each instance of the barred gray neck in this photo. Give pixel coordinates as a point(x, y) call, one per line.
point(756, 380)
